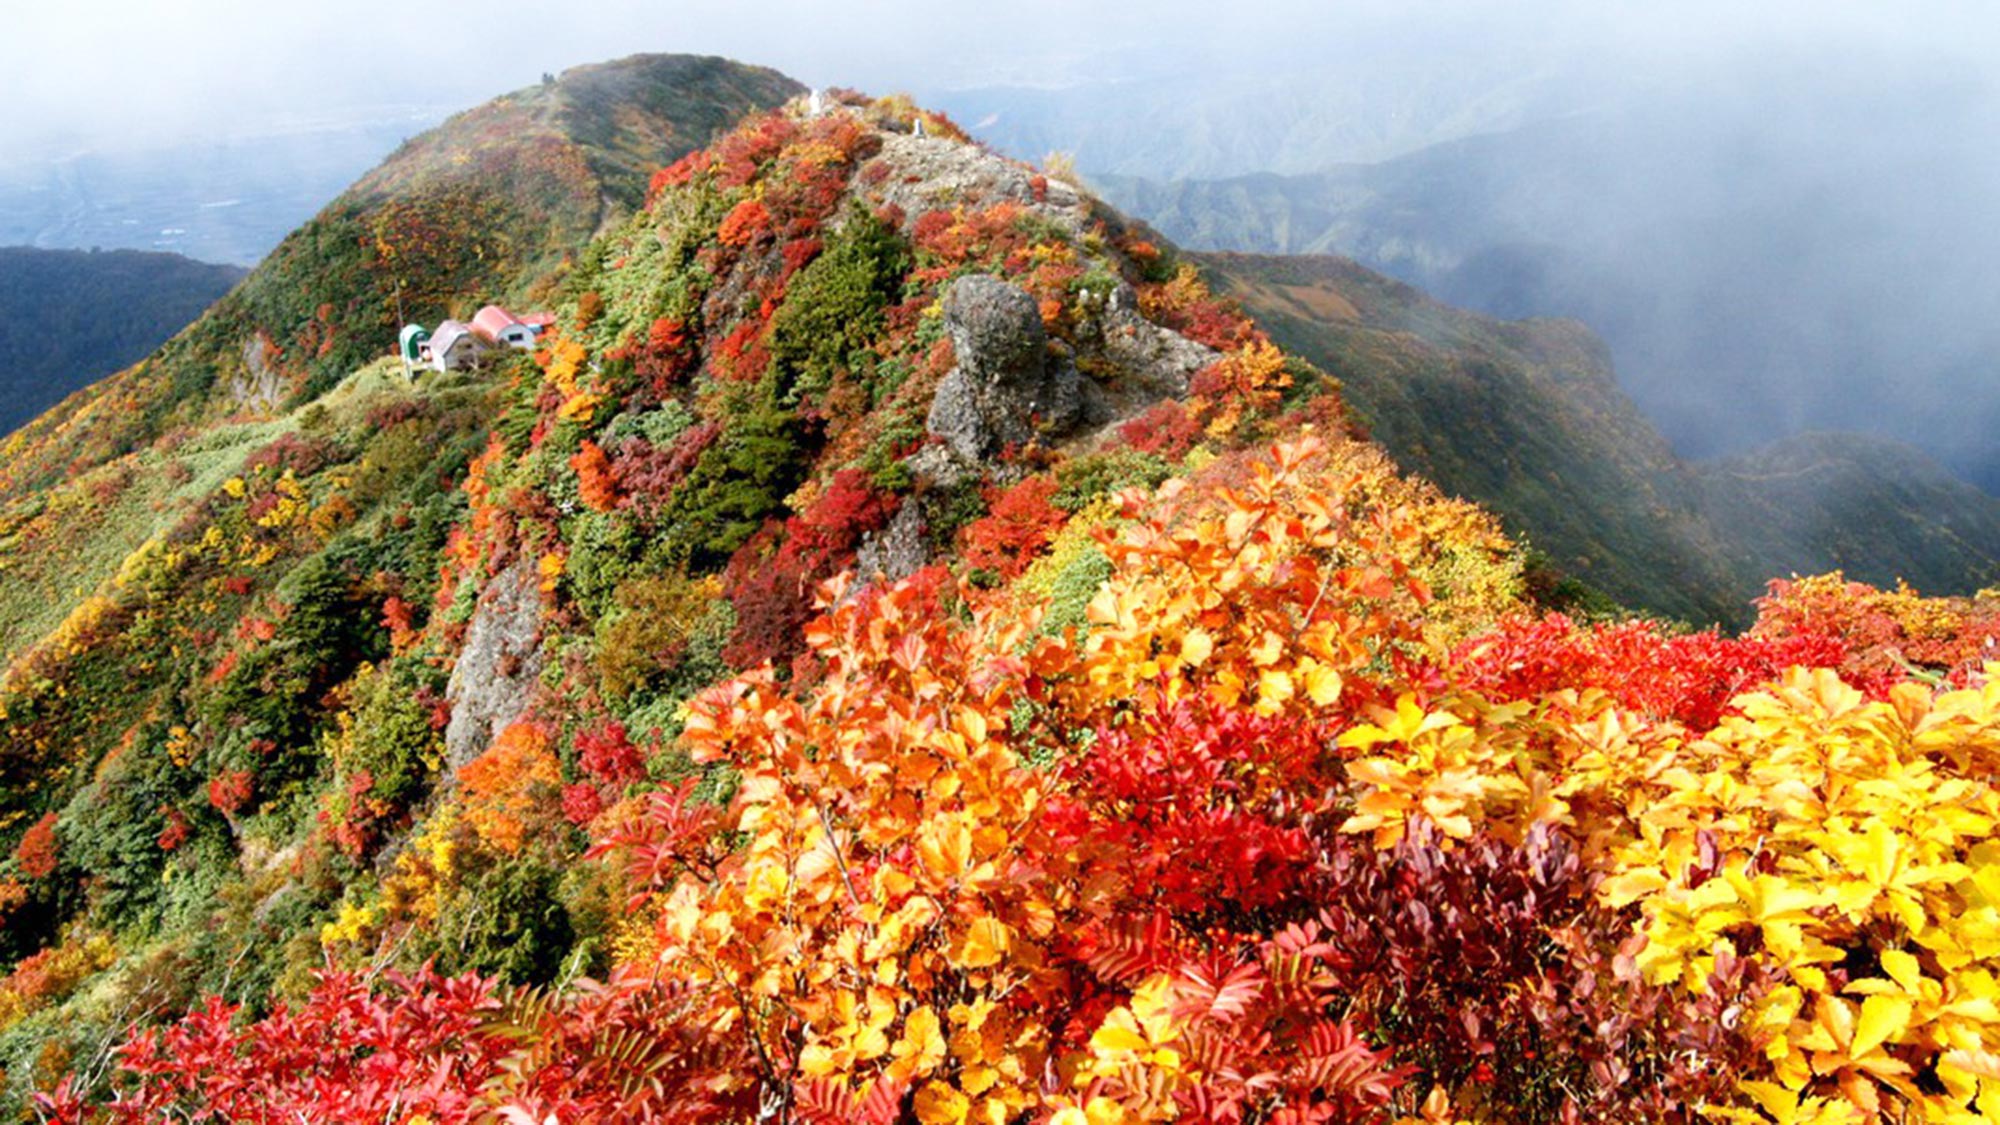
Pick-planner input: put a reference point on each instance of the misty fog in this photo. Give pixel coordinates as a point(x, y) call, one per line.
point(1779, 242)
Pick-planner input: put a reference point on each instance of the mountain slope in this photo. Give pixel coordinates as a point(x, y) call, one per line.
point(492, 205)
point(1877, 509)
point(897, 624)
point(1818, 261)
point(1527, 418)
point(349, 675)
point(485, 207)
point(70, 317)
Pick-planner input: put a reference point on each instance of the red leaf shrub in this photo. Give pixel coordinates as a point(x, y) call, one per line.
point(581, 803)
point(230, 791)
point(1496, 965)
point(646, 475)
point(1166, 430)
point(771, 578)
point(606, 753)
point(175, 832)
point(595, 481)
point(1887, 634)
point(1689, 678)
point(669, 357)
point(1019, 523)
point(747, 222)
point(36, 853)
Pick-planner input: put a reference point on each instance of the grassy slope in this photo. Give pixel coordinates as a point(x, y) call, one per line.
point(272, 603)
point(1523, 417)
point(487, 206)
point(547, 166)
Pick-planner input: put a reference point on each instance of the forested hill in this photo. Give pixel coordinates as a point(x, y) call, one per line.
point(71, 317)
point(491, 205)
point(1527, 418)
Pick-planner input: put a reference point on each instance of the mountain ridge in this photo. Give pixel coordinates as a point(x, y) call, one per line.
point(896, 623)
point(1527, 417)
point(478, 211)
point(268, 658)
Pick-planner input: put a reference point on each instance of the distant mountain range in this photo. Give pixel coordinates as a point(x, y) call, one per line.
point(1527, 418)
point(1208, 123)
point(71, 317)
point(228, 199)
point(1760, 268)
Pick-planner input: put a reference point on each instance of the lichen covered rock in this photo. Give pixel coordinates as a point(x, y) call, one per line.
point(496, 673)
point(1007, 388)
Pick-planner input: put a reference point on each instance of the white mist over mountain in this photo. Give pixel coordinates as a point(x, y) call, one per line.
point(1777, 213)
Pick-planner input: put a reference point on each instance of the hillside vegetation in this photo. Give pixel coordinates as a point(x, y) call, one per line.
point(1526, 417)
point(486, 207)
point(70, 317)
point(903, 649)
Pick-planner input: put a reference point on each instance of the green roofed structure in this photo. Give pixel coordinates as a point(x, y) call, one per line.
point(411, 346)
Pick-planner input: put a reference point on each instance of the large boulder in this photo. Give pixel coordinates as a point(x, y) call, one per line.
point(1007, 389)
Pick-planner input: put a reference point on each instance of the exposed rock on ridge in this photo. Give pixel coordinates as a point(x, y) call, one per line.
point(1007, 388)
point(496, 673)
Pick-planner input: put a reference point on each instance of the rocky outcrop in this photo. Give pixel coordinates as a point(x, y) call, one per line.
point(898, 550)
point(1008, 388)
point(934, 172)
point(496, 672)
point(1155, 362)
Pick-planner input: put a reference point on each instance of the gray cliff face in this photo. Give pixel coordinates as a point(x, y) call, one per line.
point(495, 674)
point(1013, 384)
point(898, 550)
point(1008, 389)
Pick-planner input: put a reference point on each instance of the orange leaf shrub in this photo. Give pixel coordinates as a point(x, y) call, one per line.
point(513, 788)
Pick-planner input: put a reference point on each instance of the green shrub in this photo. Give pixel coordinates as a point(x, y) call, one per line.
point(739, 482)
point(649, 631)
point(507, 919)
point(833, 307)
point(1085, 479)
point(658, 426)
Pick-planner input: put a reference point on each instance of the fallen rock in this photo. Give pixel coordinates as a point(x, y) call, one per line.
point(1157, 361)
point(898, 550)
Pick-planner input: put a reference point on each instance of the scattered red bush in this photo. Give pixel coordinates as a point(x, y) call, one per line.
point(230, 791)
point(747, 222)
point(1689, 678)
point(606, 752)
point(1166, 430)
point(36, 853)
point(1019, 523)
point(595, 481)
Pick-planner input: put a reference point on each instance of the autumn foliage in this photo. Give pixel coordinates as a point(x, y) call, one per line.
point(1246, 849)
point(1203, 768)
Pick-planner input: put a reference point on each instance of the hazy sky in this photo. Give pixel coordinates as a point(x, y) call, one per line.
point(105, 72)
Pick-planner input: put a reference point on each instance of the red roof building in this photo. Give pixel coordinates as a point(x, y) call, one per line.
point(502, 327)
